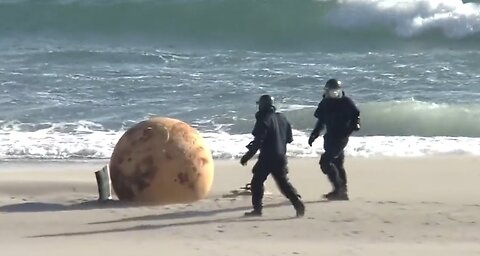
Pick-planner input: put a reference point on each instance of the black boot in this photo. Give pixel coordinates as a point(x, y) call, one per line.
point(299, 206)
point(342, 190)
point(253, 213)
point(329, 194)
point(339, 191)
point(339, 194)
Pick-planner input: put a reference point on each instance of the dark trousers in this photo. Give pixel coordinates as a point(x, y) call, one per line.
point(279, 170)
point(331, 161)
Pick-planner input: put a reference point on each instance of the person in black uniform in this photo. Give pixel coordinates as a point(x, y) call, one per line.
point(271, 132)
point(339, 115)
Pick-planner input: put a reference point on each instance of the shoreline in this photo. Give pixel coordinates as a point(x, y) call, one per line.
point(291, 158)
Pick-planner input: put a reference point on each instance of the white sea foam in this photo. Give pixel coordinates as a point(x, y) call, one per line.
point(84, 143)
point(409, 18)
point(232, 146)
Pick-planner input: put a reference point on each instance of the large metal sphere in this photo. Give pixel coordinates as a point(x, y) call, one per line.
point(161, 160)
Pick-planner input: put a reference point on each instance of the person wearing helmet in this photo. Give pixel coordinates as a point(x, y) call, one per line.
point(272, 132)
point(339, 115)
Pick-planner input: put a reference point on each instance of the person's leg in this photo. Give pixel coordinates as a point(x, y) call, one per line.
point(331, 163)
point(260, 174)
point(341, 169)
point(279, 174)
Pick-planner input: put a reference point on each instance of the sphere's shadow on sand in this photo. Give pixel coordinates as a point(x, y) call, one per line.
point(53, 207)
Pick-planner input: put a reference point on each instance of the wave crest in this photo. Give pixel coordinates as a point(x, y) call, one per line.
point(407, 118)
point(248, 23)
point(454, 18)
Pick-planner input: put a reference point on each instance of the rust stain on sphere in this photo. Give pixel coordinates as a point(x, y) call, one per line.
point(161, 160)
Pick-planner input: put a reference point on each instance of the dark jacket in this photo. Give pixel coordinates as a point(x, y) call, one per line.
point(339, 116)
point(272, 132)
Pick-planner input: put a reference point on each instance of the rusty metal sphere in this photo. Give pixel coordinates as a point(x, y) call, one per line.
point(161, 160)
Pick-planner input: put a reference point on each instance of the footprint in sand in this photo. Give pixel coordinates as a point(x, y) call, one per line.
point(433, 203)
point(387, 202)
point(266, 234)
point(220, 228)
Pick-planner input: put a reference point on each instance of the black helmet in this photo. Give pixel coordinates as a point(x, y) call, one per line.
point(265, 102)
point(333, 89)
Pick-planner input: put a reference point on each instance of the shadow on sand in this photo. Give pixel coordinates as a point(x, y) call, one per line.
point(52, 207)
point(179, 215)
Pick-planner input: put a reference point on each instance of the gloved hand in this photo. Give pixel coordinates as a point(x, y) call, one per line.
point(311, 139)
point(244, 160)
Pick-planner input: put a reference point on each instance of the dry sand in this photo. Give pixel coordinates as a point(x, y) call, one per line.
point(398, 206)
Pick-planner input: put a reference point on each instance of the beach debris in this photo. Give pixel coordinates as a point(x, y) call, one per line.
point(242, 191)
point(104, 184)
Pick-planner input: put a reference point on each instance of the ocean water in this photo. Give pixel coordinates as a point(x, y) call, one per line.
point(76, 74)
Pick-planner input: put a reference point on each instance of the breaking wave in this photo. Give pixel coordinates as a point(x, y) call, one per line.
point(249, 23)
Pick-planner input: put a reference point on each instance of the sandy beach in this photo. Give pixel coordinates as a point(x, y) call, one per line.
point(398, 206)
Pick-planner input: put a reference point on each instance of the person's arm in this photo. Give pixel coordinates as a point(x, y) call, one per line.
point(259, 132)
point(354, 115)
point(319, 125)
point(318, 128)
point(289, 133)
